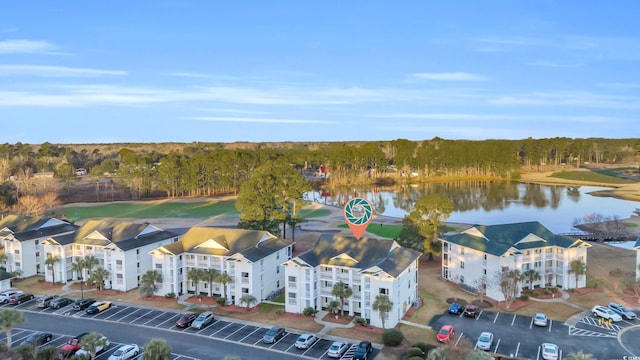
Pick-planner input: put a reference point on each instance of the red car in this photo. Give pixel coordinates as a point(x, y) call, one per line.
point(446, 333)
point(69, 348)
point(186, 320)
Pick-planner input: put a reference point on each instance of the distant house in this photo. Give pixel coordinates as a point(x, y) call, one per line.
point(5, 280)
point(21, 237)
point(484, 251)
point(369, 266)
point(121, 247)
point(252, 258)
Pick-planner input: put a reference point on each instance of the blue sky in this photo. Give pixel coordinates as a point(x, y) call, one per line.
point(226, 71)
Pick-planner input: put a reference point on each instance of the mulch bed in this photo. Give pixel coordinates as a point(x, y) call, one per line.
point(204, 300)
point(338, 319)
point(583, 291)
point(239, 309)
point(462, 302)
point(482, 304)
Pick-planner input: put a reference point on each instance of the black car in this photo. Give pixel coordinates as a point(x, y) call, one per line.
point(37, 339)
point(20, 298)
point(274, 334)
point(60, 302)
point(185, 320)
point(472, 311)
point(362, 351)
point(82, 304)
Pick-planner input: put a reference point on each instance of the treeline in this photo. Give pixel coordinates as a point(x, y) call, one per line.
point(205, 169)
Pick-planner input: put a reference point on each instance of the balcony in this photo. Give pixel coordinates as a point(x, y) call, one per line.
point(119, 267)
point(245, 280)
point(292, 285)
point(190, 262)
point(293, 301)
point(343, 277)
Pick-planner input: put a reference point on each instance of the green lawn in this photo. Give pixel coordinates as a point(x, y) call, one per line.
point(386, 231)
point(605, 177)
point(152, 210)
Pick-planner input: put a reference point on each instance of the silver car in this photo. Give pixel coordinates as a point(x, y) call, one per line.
point(485, 341)
point(623, 311)
point(202, 320)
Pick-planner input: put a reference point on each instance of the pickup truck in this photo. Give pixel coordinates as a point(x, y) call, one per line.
point(71, 347)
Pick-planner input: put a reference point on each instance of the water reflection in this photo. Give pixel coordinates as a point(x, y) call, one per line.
point(490, 202)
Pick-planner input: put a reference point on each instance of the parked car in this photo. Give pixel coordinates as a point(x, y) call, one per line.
point(274, 334)
point(472, 311)
point(186, 320)
point(98, 307)
point(44, 301)
point(622, 311)
point(362, 351)
point(37, 339)
point(549, 351)
point(60, 302)
point(485, 341)
point(71, 346)
point(305, 341)
point(446, 333)
point(125, 352)
point(606, 313)
point(202, 320)
point(84, 353)
point(82, 304)
point(540, 319)
point(337, 349)
point(455, 308)
point(20, 298)
point(7, 294)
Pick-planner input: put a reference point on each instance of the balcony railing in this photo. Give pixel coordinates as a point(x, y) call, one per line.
point(245, 280)
point(190, 262)
point(119, 267)
point(291, 284)
point(292, 301)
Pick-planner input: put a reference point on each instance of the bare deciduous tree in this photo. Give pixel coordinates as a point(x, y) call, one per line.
point(481, 283)
point(602, 227)
point(509, 282)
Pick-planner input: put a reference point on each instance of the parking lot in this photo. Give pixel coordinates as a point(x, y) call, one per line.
point(517, 336)
point(242, 333)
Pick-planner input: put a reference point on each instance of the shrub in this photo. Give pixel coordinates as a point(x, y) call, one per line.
point(423, 346)
point(414, 351)
point(554, 289)
point(360, 321)
point(170, 295)
point(221, 301)
point(309, 311)
point(547, 292)
point(526, 297)
point(279, 311)
point(392, 337)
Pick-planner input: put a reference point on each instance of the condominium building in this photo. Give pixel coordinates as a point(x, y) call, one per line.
point(473, 258)
point(369, 266)
point(252, 259)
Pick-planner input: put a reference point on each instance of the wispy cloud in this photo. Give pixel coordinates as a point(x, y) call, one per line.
point(583, 99)
point(553, 64)
point(234, 111)
point(17, 46)
point(54, 71)
point(450, 76)
point(257, 120)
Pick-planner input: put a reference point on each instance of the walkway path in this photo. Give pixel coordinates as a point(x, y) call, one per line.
point(564, 299)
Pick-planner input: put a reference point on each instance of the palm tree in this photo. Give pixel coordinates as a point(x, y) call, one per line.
point(248, 300)
point(342, 291)
point(578, 268)
point(99, 276)
point(90, 262)
point(210, 275)
point(579, 356)
point(148, 282)
point(157, 349)
point(224, 278)
point(51, 263)
point(195, 275)
point(9, 318)
point(93, 342)
point(532, 276)
point(78, 267)
point(333, 306)
point(48, 352)
point(383, 305)
point(3, 257)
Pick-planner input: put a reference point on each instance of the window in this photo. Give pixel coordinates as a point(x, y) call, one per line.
point(278, 269)
point(278, 284)
point(118, 262)
point(461, 250)
point(37, 253)
point(89, 247)
point(538, 251)
point(17, 264)
point(528, 252)
point(138, 251)
point(326, 284)
point(292, 279)
point(278, 255)
point(485, 256)
point(17, 251)
point(138, 265)
point(37, 242)
point(549, 250)
point(384, 291)
point(461, 279)
point(159, 266)
point(559, 251)
point(292, 295)
point(118, 276)
point(461, 264)
point(484, 271)
point(245, 290)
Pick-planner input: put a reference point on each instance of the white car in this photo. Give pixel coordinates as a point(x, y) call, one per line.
point(7, 294)
point(337, 349)
point(99, 349)
point(540, 319)
point(549, 351)
point(125, 352)
point(485, 341)
point(606, 313)
point(305, 341)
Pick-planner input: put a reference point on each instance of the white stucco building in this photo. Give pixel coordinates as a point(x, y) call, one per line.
point(473, 258)
point(121, 247)
point(369, 266)
point(252, 258)
point(637, 247)
point(21, 237)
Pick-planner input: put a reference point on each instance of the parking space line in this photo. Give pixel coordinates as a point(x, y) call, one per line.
point(229, 324)
point(479, 314)
point(514, 319)
point(161, 313)
point(538, 354)
point(172, 319)
point(114, 314)
point(240, 328)
point(531, 323)
point(550, 323)
point(496, 348)
point(517, 349)
point(253, 332)
point(496, 319)
point(459, 337)
point(140, 316)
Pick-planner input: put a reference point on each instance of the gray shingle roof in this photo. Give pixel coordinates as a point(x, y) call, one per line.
point(361, 254)
point(34, 227)
point(125, 235)
point(252, 244)
point(498, 239)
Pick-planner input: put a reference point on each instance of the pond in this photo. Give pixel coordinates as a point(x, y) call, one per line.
point(490, 202)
